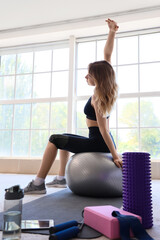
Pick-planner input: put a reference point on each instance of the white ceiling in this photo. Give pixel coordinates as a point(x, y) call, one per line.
point(20, 13)
point(30, 21)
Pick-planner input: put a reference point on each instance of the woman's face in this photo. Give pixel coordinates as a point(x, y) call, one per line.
point(90, 80)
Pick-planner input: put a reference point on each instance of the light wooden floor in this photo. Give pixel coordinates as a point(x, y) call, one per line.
point(8, 180)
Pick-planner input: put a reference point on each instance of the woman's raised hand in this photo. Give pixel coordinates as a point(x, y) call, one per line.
point(112, 25)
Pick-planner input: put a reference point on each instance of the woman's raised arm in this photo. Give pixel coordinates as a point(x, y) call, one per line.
point(108, 49)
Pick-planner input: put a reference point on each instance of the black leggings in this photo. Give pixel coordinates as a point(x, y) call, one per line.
point(78, 144)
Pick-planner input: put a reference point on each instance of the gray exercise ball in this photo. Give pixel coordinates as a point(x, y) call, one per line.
point(94, 174)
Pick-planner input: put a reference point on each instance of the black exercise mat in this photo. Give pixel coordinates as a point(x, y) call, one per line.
point(64, 206)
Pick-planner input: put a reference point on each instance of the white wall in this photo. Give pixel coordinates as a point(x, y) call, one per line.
point(25, 22)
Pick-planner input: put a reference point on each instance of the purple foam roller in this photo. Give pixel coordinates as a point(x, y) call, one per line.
point(137, 191)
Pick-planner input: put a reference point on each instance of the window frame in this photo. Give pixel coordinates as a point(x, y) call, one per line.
point(68, 99)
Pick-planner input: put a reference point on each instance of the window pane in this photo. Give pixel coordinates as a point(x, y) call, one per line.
point(5, 140)
point(20, 143)
point(128, 112)
point(147, 53)
point(82, 132)
point(59, 115)
point(100, 51)
point(25, 62)
point(8, 63)
point(42, 61)
point(150, 114)
point(7, 87)
point(61, 59)
point(40, 115)
point(150, 141)
point(127, 50)
point(149, 77)
point(86, 54)
point(6, 115)
point(41, 85)
point(23, 87)
point(127, 140)
point(82, 87)
point(128, 79)
point(113, 132)
point(60, 84)
point(22, 116)
point(57, 131)
point(39, 141)
point(81, 117)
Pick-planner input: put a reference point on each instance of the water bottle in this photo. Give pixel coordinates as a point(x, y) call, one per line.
point(12, 213)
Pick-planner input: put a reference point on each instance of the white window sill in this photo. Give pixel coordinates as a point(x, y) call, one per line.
point(31, 166)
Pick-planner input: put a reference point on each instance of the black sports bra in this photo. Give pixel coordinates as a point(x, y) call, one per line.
point(89, 111)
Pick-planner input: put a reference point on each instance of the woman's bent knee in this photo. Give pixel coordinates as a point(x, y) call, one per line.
point(59, 140)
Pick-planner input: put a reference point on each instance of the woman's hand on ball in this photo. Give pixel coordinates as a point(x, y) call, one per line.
point(118, 162)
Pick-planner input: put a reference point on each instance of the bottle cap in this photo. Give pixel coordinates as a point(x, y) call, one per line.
point(14, 192)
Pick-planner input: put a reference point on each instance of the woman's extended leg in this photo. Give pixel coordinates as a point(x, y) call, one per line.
point(56, 141)
point(47, 161)
point(64, 156)
point(37, 186)
point(59, 180)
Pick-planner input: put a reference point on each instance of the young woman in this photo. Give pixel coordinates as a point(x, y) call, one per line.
point(97, 109)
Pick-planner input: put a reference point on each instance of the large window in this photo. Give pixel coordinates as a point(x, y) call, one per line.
point(37, 94)
point(135, 119)
point(33, 100)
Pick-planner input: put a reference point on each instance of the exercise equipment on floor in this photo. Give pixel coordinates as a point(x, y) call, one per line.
point(100, 218)
point(128, 223)
point(65, 230)
point(94, 174)
point(137, 192)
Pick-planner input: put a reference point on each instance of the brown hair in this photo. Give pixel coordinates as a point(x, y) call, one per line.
point(106, 88)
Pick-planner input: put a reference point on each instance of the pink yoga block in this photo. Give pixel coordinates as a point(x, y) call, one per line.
point(100, 218)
